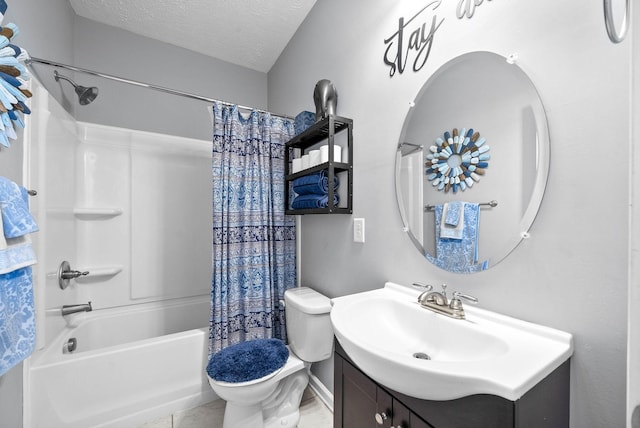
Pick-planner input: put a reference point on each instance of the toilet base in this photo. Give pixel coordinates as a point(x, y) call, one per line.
point(236, 415)
point(280, 410)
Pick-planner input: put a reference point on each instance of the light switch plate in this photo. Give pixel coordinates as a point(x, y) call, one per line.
point(358, 230)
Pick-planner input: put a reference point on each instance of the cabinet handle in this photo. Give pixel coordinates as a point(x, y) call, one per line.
point(381, 417)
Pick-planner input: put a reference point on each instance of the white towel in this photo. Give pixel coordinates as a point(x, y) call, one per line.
point(15, 253)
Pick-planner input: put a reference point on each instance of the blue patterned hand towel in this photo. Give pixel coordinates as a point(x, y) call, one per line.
point(452, 212)
point(14, 204)
point(452, 223)
point(17, 319)
point(314, 184)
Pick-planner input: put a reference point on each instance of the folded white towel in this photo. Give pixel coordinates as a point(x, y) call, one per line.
point(447, 229)
point(15, 253)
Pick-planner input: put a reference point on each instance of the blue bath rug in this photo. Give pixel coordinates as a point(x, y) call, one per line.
point(247, 361)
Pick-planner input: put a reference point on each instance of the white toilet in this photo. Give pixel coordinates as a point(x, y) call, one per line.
point(274, 400)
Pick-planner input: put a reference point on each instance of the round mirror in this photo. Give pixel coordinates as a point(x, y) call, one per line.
point(472, 162)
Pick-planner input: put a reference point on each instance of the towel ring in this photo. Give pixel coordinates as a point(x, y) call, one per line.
point(615, 35)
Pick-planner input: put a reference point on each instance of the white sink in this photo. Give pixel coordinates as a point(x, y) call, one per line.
point(390, 336)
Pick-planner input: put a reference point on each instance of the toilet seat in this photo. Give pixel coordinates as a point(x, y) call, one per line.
point(293, 364)
point(256, 390)
point(248, 361)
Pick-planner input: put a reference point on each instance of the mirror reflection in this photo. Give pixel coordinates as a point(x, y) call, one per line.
point(472, 162)
point(617, 15)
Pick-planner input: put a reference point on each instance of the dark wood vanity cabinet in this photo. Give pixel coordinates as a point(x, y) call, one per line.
point(359, 401)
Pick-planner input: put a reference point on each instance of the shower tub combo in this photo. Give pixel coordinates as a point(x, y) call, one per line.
point(131, 365)
point(133, 209)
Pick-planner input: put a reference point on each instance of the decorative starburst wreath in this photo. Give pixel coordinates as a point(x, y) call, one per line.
point(457, 161)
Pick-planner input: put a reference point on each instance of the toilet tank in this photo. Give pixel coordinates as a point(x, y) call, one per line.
point(309, 327)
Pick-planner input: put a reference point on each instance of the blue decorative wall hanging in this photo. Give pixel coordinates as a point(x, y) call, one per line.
point(13, 74)
point(458, 160)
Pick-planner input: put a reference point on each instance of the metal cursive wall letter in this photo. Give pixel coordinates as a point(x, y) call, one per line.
point(419, 41)
point(467, 8)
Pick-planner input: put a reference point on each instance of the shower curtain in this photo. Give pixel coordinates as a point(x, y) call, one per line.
point(254, 254)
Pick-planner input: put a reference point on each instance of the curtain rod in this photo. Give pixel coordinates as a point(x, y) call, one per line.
point(31, 60)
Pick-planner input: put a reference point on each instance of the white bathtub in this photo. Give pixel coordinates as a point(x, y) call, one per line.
point(131, 365)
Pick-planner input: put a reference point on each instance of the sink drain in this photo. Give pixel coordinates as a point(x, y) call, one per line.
point(421, 356)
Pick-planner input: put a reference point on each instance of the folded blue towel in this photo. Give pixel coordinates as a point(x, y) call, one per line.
point(314, 184)
point(313, 201)
point(14, 204)
point(247, 361)
point(17, 319)
point(303, 120)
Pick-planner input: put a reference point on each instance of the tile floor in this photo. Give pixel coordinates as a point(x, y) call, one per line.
point(313, 414)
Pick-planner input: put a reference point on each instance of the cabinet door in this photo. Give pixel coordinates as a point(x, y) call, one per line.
point(404, 418)
point(359, 399)
point(363, 404)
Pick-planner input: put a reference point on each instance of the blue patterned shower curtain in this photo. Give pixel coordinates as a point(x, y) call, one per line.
point(254, 248)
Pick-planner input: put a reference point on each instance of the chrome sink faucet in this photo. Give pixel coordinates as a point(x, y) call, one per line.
point(426, 287)
point(72, 309)
point(437, 302)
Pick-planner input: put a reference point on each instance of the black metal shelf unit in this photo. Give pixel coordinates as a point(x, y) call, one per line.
point(324, 129)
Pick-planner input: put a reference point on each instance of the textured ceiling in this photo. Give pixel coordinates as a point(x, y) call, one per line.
point(250, 33)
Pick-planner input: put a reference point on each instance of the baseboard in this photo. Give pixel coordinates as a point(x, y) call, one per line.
point(321, 391)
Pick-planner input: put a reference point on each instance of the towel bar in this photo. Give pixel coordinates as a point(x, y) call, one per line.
point(491, 204)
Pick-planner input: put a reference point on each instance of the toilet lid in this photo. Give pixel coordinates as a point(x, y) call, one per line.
point(307, 300)
point(248, 361)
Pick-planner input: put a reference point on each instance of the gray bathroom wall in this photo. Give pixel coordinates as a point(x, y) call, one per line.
point(124, 54)
point(45, 27)
point(571, 273)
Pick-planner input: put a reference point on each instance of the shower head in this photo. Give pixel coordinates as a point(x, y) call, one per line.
point(85, 95)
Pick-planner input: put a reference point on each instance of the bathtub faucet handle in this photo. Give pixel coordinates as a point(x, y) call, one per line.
point(70, 274)
point(65, 274)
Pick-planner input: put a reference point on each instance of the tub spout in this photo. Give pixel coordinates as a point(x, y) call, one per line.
point(72, 309)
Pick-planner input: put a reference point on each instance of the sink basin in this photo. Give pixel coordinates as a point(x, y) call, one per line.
point(426, 355)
